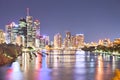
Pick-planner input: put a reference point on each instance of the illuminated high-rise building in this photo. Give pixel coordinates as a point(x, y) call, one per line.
point(58, 41)
point(68, 35)
point(2, 36)
point(76, 41)
point(19, 40)
point(37, 26)
point(8, 29)
point(36, 33)
point(23, 31)
point(73, 41)
point(67, 40)
point(28, 30)
point(15, 30)
point(47, 40)
point(79, 40)
point(44, 40)
point(11, 32)
point(29, 21)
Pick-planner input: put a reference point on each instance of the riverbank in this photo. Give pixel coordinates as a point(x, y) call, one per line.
point(5, 60)
point(8, 53)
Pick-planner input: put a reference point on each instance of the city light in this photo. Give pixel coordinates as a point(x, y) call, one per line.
point(27, 35)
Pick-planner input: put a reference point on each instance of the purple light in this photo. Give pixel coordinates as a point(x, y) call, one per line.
point(44, 36)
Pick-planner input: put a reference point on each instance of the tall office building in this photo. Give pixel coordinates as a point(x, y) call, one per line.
point(58, 41)
point(37, 26)
point(67, 40)
point(19, 40)
point(29, 30)
point(47, 40)
point(8, 29)
point(36, 33)
point(14, 32)
point(23, 31)
point(79, 40)
point(73, 41)
point(44, 40)
point(29, 21)
point(68, 35)
point(2, 36)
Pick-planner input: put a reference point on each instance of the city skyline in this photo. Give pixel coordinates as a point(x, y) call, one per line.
point(95, 19)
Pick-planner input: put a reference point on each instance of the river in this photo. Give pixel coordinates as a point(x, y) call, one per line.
point(62, 65)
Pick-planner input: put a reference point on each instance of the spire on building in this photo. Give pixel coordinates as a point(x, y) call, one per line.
point(27, 11)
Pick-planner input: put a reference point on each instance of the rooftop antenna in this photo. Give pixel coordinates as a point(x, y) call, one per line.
point(27, 11)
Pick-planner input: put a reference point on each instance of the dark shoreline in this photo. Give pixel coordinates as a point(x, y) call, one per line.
point(5, 60)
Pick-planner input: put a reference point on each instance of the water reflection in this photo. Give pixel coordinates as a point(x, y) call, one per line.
point(80, 59)
point(43, 72)
point(38, 62)
point(62, 65)
point(80, 65)
point(14, 72)
point(60, 59)
point(99, 69)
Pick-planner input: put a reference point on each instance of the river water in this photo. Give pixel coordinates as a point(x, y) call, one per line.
point(61, 65)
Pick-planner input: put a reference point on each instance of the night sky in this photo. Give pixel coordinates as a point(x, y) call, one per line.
point(96, 19)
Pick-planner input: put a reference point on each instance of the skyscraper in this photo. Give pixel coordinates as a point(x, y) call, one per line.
point(29, 22)
point(79, 40)
point(15, 30)
point(36, 33)
point(73, 41)
point(68, 35)
point(33, 30)
point(27, 31)
point(67, 40)
point(23, 31)
point(58, 41)
point(37, 26)
point(2, 37)
point(8, 30)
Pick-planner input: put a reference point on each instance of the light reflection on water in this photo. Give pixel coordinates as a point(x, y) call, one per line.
point(99, 69)
point(14, 72)
point(62, 66)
